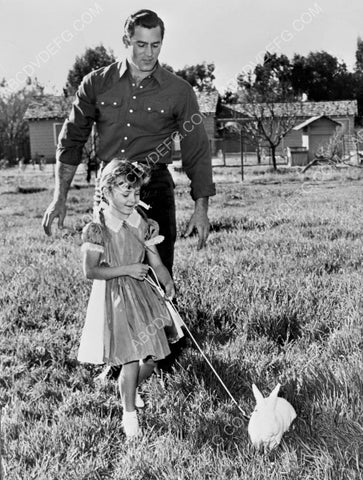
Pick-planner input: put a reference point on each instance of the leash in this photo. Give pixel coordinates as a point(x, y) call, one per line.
point(157, 286)
point(161, 291)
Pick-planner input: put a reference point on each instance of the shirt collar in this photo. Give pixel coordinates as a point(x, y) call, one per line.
point(122, 68)
point(158, 73)
point(115, 223)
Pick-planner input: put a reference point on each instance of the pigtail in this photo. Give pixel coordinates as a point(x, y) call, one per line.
point(98, 210)
point(101, 215)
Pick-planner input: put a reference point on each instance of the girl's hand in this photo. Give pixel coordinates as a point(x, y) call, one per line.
point(137, 270)
point(170, 290)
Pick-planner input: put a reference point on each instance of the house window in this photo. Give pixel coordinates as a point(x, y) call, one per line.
point(57, 127)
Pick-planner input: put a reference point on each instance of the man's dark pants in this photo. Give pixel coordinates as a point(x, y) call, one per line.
point(159, 194)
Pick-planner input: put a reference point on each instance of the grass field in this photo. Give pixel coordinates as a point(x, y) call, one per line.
point(275, 297)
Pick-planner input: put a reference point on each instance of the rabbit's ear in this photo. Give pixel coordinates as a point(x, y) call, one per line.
point(257, 394)
point(275, 391)
point(272, 398)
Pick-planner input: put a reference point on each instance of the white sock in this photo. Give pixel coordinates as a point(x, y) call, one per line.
point(130, 424)
point(130, 414)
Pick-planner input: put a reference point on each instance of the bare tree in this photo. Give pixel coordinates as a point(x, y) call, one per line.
point(268, 102)
point(269, 123)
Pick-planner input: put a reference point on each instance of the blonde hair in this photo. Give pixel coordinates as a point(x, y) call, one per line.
point(119, 171)
point(112, 175)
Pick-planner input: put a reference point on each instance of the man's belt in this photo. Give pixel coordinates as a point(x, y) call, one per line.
point(159, 166)
point(156, 166)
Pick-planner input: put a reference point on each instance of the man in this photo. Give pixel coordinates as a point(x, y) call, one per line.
point(138, 107)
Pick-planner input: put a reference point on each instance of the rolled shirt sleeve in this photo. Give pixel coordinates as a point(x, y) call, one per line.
point(196, 157)
point(77, 128)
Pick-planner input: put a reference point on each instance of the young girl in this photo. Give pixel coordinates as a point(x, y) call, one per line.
point(125, 316)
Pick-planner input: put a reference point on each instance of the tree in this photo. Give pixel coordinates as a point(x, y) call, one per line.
point(273, 78)
point(358, 76)
point(359, 56)
point(269, 104)
point(199, 76)
point(14, 132)
point(92, 59)
point(230, 97)
point(168, 67)
point(322, 77)
point(269, 123)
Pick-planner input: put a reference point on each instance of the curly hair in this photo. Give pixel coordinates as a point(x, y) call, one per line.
point(119, 171)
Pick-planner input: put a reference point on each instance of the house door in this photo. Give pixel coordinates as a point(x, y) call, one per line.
point(315, 142)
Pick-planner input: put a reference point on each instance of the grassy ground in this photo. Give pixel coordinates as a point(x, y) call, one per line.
point(276, 296)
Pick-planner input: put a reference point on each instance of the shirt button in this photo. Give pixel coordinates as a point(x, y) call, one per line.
point(141, 86)
point(131, 110)
point(102, 103)
point(115, 103)
point(162, 111)
point(134, 97)
point(133, 84)
point(128, 125)
point(149, 108)
point(125, 138)
point(122, 151)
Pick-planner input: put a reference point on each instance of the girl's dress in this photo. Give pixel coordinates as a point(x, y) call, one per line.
point(125, 317)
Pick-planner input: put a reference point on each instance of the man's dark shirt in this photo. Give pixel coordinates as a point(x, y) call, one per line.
point(139, 122)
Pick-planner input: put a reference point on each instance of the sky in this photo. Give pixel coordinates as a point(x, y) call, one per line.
point(43, 37)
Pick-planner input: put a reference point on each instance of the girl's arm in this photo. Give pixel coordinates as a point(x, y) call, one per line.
point(93, 270)
point(161, 271)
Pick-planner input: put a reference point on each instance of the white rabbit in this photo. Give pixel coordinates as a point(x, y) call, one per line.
point(270, 419)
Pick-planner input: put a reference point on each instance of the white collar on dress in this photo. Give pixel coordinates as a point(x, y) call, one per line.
point(114, 223)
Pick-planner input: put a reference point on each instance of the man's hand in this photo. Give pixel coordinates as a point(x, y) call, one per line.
point(57, 209)
point(200, 222)
point(170, 290)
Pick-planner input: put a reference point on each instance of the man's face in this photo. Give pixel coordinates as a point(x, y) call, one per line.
point(145, 47)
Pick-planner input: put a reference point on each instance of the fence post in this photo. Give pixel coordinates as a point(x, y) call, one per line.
point(241, 144)
point(357, 149)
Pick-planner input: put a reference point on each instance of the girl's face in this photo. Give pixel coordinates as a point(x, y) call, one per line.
point(124, 198)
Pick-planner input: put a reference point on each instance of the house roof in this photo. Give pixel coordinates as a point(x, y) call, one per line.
point(45, 107)
point(208, 101)
point(56, 106)
point(302, 109)
point(312, 120)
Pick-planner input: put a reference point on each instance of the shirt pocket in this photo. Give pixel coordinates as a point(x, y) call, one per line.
point(156, 114)
point(109, 110)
